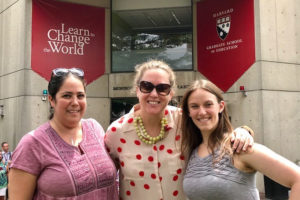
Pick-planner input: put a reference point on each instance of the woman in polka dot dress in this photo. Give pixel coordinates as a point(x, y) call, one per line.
point(145, 143)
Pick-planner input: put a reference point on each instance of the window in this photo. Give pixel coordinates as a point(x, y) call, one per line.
point(121, 106)
point(145, 31)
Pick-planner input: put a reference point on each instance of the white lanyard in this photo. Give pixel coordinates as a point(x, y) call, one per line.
point(6, 156)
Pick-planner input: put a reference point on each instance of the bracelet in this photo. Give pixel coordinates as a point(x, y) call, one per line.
point(251, 132)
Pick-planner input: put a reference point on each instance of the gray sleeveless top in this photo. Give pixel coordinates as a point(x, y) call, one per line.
point(223, 181)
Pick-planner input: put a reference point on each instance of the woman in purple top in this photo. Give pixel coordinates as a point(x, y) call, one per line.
point(64, 158)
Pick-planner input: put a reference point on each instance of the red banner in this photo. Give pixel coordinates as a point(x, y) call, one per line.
point(67, 35)
point(225, 40)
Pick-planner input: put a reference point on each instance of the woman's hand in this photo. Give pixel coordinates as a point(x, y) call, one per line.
point(241, 139)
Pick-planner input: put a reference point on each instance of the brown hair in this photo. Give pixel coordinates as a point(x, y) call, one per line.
point(140, 70)
point(191, 134)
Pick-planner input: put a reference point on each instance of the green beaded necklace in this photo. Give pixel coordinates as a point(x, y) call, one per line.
point(144, 136)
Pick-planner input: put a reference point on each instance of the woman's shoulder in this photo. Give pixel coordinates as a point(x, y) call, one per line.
point(244, 159)
point(117, 129)
point(91, 121)
point(38, 133)
point(122, 124)
point(92, 126)
point(34, 142)
point(173, 108)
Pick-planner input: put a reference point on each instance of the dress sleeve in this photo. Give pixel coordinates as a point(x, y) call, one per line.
point(28, 156)
point(111, 138)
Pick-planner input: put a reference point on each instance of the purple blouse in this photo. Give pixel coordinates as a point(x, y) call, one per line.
point(63, 171)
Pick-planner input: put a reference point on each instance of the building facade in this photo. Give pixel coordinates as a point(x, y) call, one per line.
point(137, 30)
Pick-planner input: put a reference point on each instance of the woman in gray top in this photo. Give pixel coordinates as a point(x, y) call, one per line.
point(213, 171)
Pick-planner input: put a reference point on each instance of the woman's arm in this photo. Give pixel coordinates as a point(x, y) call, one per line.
point(21, 185)
point(275, 167)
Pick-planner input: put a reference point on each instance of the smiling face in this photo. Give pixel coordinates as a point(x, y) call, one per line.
point(204, 109)
point(69, 103)
point(152, 103)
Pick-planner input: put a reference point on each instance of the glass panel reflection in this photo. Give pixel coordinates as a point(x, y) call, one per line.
point(155, 33)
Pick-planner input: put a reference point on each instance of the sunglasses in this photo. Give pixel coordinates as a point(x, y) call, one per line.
point(62, 71)
point(162, 89)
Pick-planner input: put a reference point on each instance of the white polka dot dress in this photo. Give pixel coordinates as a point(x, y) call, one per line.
point(147, 171)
